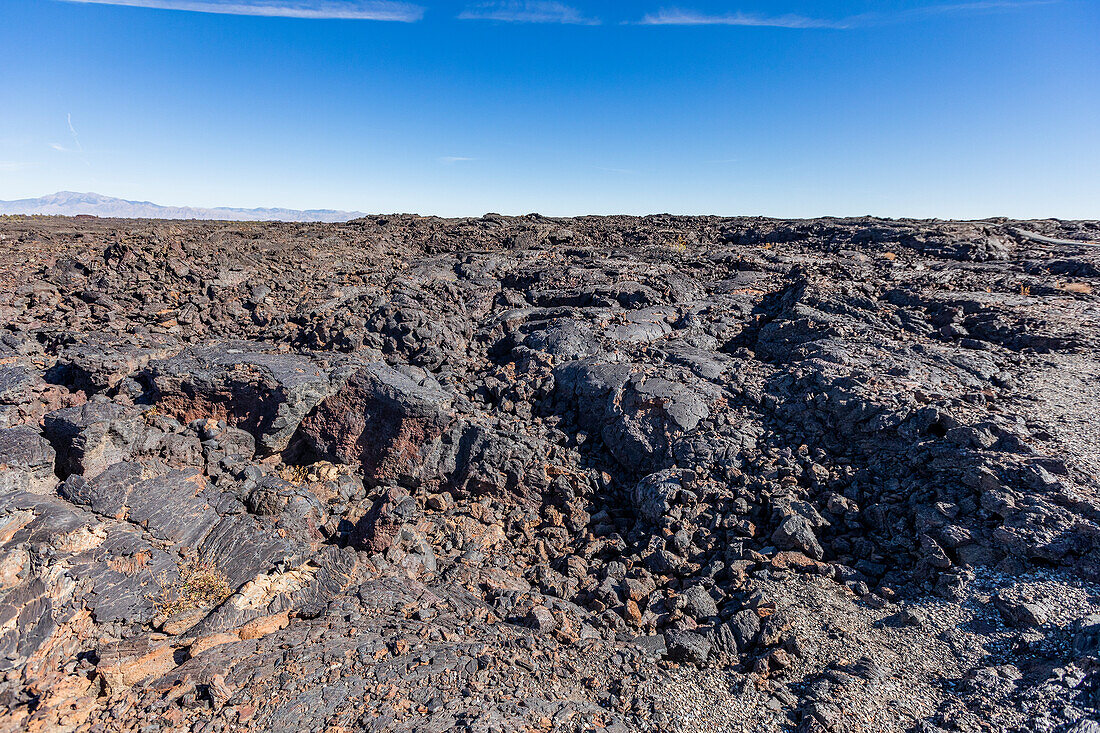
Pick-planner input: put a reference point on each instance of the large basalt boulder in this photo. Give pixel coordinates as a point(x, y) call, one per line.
point(797, 533)
point(648, 415)
point(96, 435)
point(26, 461)
point(16, 381)
point(588, 384)
point(562, 338)
point(245, 384)
point(475, 460)
point(381, 419)
point(639, 417)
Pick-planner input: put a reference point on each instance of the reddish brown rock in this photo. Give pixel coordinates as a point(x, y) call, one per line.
point(126, 663)
point(381, 419)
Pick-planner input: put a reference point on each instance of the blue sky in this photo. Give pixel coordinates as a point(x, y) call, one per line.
point(774, 107)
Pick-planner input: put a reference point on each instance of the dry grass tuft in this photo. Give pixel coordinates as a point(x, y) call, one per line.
point(307, 475)
point(201, 585)
point(298, 475)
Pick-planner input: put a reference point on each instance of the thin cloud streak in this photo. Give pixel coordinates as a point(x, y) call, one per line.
point(977, 7)
point(387, 10)
point(452, 159)
point(10, 166)
point(78, 149)
point(677, 16)
point(532, 11)
point(76, 138)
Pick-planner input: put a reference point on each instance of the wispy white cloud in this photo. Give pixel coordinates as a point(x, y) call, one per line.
point(10, 166)
point(77, 148)
point(72, 131)
point(678, 16)
point(975, 7)
point(529, 11)
point(308, 9)
point(452, 159)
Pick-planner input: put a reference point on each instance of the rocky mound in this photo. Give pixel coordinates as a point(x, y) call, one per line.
point(491, 474)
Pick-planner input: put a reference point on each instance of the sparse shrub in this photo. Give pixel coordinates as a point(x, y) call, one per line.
point(201, 585)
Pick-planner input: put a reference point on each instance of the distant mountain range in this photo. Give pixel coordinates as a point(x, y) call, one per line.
point(69, 203)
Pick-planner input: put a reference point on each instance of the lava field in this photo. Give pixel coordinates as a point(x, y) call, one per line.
point(531, 474)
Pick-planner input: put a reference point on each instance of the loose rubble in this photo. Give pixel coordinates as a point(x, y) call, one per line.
point(606, 473)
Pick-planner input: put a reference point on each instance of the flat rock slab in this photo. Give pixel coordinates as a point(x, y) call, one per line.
point(172, 507)
point(100, 361)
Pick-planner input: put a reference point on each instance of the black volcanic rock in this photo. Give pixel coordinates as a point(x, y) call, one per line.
point(28, 461)
point(608, 473)
point(246, 384)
